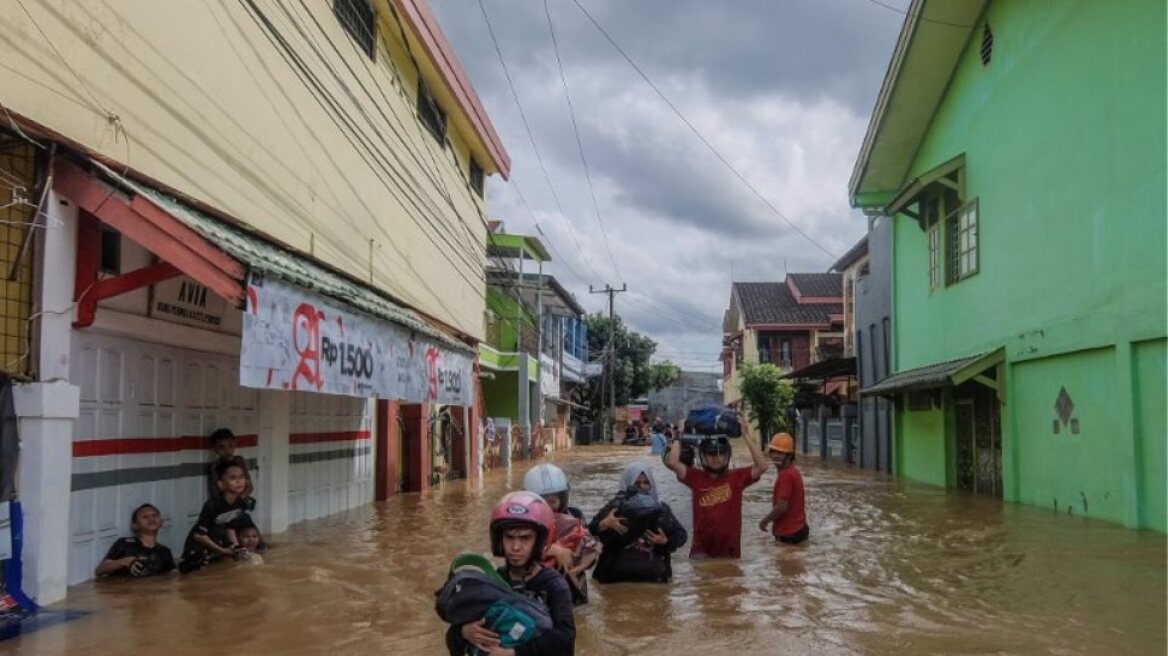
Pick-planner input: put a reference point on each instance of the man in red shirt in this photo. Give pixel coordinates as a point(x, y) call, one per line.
point(787, 513)
point(717, 494)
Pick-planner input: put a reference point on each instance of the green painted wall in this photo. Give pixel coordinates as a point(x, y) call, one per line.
point(507, 309)
point(1089, 473)
point(920, 445)
point(1064, 136)
point(1064, 140)
point(1152, 438)
point(501, 395)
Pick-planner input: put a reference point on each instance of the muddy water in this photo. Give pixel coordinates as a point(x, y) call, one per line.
point(891, 568)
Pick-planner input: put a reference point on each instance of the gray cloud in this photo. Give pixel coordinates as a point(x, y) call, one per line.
point(783, 89)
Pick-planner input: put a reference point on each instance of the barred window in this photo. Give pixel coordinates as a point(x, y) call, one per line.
point(358, 19)
point(475, 177)
point(430, 113)
point(17, 242)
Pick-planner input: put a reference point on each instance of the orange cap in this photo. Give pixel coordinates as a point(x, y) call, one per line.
point(782, 442)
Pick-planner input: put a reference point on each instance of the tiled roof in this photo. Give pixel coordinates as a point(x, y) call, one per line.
point(772, 302)
point(818, 284)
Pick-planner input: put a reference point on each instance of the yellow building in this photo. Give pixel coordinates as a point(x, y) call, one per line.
point(261, 216)
point(790, 324)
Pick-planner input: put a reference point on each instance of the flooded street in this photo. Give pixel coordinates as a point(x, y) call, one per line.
point(891, 567)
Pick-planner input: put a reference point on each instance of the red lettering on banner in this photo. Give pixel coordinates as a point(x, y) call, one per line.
point(432, 373)
point(253, 300)
point(306, 329)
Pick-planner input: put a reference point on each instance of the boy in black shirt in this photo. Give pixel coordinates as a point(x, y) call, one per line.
point(214, 534)
point(140, 555)
point(223, 445)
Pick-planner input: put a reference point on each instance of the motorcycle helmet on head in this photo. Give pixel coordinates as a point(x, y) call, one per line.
point(547, 479)
point(712, 446)
point(523, 510)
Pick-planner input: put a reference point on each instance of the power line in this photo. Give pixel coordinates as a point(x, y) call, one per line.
point(702, 138)
point(579, 144)
point(531, 139)
point(362, 144)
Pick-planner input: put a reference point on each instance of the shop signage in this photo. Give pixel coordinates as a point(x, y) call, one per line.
point(296, 339)
point(182, 300)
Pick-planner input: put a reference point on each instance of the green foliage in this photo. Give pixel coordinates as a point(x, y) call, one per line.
point(634, 374)
point(663, 374)
point(766, 396)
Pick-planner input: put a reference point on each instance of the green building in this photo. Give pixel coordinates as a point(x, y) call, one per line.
point(1017, 150)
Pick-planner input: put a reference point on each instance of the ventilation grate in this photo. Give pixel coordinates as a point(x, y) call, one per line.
point(987, 45)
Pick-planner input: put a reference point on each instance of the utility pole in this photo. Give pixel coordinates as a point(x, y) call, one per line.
point(610, 415)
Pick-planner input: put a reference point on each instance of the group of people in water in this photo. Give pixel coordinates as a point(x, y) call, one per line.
point(223, 530)
point(525, 606)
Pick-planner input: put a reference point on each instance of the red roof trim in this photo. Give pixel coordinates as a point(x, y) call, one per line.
point(155, 230)
point(417, 14)
point(820, 300)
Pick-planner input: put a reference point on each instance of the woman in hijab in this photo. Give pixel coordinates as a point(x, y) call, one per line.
point(638, 531)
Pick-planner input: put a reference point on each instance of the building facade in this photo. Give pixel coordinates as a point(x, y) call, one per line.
point(790, 324)
point(269, 220)
point(1018, 149)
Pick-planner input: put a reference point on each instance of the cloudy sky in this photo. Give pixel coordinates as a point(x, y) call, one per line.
point(781, 88)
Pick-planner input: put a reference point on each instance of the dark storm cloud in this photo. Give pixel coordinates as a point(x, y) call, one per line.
point(782, 88)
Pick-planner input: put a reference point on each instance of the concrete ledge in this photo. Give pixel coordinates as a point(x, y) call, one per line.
point(53, 400)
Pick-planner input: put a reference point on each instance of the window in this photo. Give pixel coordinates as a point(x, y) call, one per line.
point(475, 177)
point(430, 113)
point(358, 19)
point(111, 252)
point(962, 229)
point(929, 214)
point(785, 353)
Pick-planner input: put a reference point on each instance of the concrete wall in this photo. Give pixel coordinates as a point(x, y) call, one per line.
point(197, 97)
point(1063, 135)
point(692, 389)
point(873, 312)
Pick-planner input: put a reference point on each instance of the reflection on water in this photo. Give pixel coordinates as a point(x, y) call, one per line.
point(890, 568)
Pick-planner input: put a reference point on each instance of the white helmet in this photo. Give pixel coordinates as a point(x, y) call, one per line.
point(546, 480)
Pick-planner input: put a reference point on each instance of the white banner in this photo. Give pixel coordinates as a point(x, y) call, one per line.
point(295, 339)
point(549, 376)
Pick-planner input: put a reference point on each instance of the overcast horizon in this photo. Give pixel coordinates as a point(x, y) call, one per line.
point(782, 89)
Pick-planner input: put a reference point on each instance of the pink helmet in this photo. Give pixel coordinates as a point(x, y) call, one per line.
point(526, 510)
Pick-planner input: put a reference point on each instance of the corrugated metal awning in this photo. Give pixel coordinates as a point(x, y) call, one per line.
point(933, 376)
point(265, 257)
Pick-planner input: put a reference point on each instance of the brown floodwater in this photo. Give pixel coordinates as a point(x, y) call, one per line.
point(891, 568)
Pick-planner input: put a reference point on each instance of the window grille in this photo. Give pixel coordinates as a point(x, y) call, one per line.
point(475, 177)
point(358, 19)
point(430, 113)
point(17, 220)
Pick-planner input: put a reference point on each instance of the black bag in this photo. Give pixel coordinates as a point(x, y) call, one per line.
point(467, 595)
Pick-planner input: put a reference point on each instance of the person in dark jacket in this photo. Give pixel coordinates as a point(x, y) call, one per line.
point(521, 526)
point(638, 531)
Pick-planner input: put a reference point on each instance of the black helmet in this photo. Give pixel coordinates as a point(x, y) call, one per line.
point(641, 511)
point(712, 446)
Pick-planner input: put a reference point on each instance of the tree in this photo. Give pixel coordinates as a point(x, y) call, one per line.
point(634, 373)
point(767, 397)
point(663, 374)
